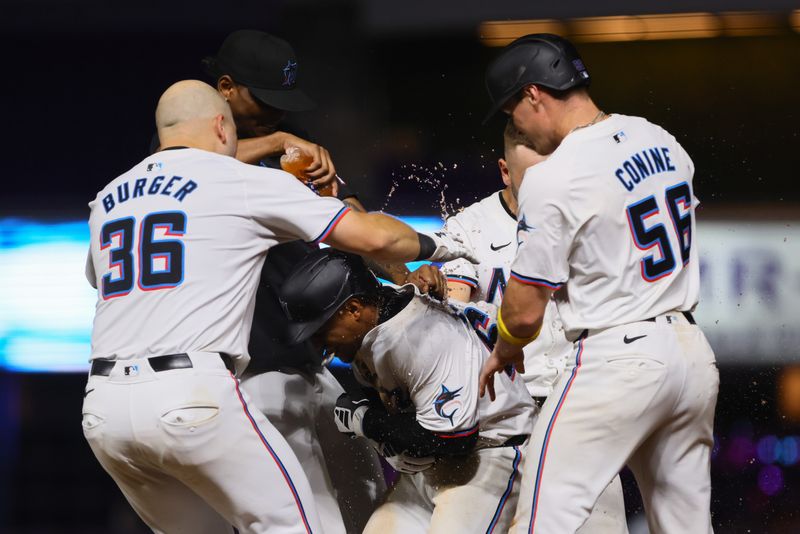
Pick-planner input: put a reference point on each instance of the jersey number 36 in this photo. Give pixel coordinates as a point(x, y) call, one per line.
point(679, 201)
point(159, 262)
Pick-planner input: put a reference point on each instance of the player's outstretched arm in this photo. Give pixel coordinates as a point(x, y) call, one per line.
point(384, 238)
point(518, 322)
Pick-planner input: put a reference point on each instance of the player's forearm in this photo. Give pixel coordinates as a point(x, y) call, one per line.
point(404, 434)
point(396, 271)
point(459, 292)
point(523, 308)
point(378, 236)
point(255, 149)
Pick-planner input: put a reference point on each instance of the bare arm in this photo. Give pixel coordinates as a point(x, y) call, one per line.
point(396, 272)
point(523, 311)
point(459, 292)
point(381, 237)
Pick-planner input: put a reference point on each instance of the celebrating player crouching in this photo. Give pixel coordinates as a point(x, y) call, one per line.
point(458, 453)
point(177, 244)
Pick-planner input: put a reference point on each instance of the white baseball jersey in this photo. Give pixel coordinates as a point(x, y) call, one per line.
point(427, 359)
point(490, 228)
point(618, 232)
point(177, 245)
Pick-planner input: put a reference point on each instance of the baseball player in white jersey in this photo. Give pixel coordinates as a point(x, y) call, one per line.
point(177, 243)
point(458, 453)
point(610, 217)
point(490, 228)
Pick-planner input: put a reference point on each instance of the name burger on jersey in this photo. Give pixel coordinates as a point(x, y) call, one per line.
point(644, 164)
point(155, 185)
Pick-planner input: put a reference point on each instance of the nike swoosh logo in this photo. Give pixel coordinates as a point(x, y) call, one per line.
point(499, 246)
point(629, 340)
point(87, 392)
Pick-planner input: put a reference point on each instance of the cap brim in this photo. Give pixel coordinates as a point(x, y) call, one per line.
point(286, 100)
point(498, 104)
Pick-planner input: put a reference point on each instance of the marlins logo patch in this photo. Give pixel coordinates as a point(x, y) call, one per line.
point(289, 73)
point(523, 226)
point(446, 402)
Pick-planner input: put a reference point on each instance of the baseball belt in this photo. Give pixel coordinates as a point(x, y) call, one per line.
point(167, 362)
point(689, 317)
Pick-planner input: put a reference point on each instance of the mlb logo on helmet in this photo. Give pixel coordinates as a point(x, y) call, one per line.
point(579, 66)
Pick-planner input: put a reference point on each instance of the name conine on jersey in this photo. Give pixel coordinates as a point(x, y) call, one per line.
point(642, 165)
point(155, 185)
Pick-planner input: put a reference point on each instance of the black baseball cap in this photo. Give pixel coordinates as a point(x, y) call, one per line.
point(543, 59)
point(319, 285)
point(266, 64)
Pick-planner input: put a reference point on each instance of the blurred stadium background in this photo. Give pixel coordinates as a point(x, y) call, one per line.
point(400, 94)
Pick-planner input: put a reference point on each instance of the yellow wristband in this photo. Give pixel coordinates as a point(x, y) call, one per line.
point(508, 337)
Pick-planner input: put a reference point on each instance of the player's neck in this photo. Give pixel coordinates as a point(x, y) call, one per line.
point(508, 198)
point(578, 112)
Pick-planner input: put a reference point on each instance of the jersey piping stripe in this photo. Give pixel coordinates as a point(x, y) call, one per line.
point(458, 433)
point(331, 225)
point(548, 433)
point(509, 487)
point(471, 282)
point(274, 457)
point(530, 281)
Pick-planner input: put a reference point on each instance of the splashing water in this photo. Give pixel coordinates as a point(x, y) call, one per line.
point(432, 179)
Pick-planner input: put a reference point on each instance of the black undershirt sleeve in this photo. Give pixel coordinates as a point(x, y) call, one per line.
point(403, 433)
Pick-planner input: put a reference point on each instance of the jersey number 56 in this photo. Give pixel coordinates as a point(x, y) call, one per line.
point(678, 200)
point(159, 262)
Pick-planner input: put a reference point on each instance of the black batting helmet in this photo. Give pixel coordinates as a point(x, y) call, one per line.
point(539, 58)
point(319, 285)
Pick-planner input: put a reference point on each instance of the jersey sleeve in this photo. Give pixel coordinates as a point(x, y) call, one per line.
point(438, 373)
point(460, 271)
point(278, 201)
point(543, 230)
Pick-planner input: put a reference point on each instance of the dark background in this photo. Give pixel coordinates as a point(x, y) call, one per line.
point(400, 94)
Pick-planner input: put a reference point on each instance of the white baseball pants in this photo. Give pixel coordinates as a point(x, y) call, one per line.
point(641, 394)
point(190, 455)
point(345, 474)
point(475, 494)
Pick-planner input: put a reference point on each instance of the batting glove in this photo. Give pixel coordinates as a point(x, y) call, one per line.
point(450, 247)
point(349, 414)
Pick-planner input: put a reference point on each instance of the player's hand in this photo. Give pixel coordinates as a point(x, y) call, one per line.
point(349, 414)
point(321, 171)
point(450, 247)
point(503, 355)
point(429, 280)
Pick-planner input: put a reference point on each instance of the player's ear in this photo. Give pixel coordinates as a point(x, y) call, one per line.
point(504, 171)
point(226, 87)
point(532, 94)
point(219, 128)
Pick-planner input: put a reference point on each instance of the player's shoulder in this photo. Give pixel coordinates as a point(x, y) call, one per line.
point(478, 211)
point(547, 179)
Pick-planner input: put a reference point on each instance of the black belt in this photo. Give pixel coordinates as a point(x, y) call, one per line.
point(686, 314)
point(515, 441)
point(157, 363)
